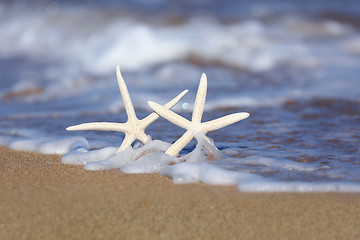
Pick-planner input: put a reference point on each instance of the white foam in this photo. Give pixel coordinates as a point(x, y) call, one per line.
point(196, 167)
point(247, 182)
point(296, 186)
point(49, 145)
point(150, 163)
point(82, 155)
point(146, 159)
point(113, 161)
point(205, 173)
point(283, 163)
point(192, 167)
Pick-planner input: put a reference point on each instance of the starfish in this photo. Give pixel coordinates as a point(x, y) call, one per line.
point(134, 128)
point(195, 127)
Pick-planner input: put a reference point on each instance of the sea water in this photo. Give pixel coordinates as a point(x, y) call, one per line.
point(294, 67)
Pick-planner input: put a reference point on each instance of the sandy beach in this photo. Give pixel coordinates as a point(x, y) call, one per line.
point(41, 198)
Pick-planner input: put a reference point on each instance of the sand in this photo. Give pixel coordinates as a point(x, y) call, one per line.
point(41, 198)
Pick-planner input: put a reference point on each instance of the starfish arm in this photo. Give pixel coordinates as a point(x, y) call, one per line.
point(142, 137)
point(128, 140)
point(174, 149)
point(175, 100)
point(223, 121)
point(102, 126)
point(170, 115)
point(129, 108)
point(200, 100)
point(153, 116)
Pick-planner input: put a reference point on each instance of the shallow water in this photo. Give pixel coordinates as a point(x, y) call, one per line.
point(294, 69)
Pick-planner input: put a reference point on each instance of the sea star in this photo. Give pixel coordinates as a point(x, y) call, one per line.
point(133, 128)
point(195, 126)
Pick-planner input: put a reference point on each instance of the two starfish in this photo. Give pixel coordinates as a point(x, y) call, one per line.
point(134, 128)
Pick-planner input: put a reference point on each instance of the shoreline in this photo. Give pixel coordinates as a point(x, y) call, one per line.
point(44, 198)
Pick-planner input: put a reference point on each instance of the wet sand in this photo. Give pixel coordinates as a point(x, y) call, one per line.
point(41, 198)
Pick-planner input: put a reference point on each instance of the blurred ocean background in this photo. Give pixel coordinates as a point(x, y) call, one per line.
point(293, 65)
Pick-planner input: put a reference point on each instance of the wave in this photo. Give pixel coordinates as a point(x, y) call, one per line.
point(96, 40)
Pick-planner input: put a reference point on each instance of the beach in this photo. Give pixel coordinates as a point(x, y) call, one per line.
point(41, 198)
point(293, 66)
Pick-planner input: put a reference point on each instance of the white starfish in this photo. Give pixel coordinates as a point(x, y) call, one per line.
point(133, 128)
point(195, 126)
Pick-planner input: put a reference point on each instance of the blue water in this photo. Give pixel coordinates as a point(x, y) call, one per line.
point(293, 65)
